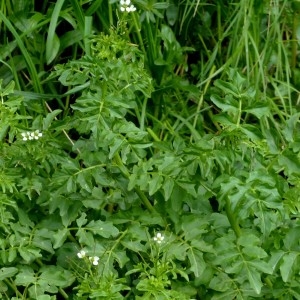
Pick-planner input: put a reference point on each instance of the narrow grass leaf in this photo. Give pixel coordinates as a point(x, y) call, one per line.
point(52, 43)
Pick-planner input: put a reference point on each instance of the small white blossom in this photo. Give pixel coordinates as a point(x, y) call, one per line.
point(159, 238)
point(25, 136)
point(94, 260)
point(35, 135)
point(125, 5)
point(81, 254)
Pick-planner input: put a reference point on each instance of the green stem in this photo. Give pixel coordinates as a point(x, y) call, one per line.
point(240, 113)
point(138, 32)
point(232, 219)
point(13, 287)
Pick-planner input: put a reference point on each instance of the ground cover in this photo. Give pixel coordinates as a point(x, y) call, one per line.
point(149, 149)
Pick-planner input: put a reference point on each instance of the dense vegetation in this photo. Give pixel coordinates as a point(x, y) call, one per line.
point(149, 149)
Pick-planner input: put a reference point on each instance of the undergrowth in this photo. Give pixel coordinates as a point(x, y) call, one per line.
point(149, 150)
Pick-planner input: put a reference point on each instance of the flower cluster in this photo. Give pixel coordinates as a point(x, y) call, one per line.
point(35, 135)
point(93, 259)
point(127, 6)
point(159, 238)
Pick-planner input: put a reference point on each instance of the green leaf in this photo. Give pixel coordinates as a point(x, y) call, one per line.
point(188, 187)
point(290, 127)
point(25, 277)
point(168, 186)
point(49, 118)
point(254, 278)
point(227, 87)
point(9, 89)
point(255, 252)
point(135, 246)
point(82, 220)
point(155, 183)
point(172, 14)
point(258, 110)
point(52, 42)
point(221, 283)
point(286, 268)
point(197, 262)
point(60, 237)
point(7, 272)
point(105, 229)
point(55, 276)
point(29, 254)
point(227, 105)
point(290, 162)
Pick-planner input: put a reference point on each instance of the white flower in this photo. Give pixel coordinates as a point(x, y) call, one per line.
point(81, 254)
point(25, 136)
point(35, 135)
point(132, 7)
point(125, 2)
point(94, 260)
point(159, 238)
point(125, 5)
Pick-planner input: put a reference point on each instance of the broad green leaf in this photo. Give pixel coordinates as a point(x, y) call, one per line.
point(85, 237)
point(290, 162)
point(155, 183)
point(248, 240)
point(172, 14)
point(82, 220)
point(178, 250)
point(261, 265)
point(135, 246)
point(254, 278)
point(202, 246)
point(252, 132)
point(50, 117)
point(276, 257)
point(9, 89)
point(221, 283)
point(43, 297)
point(60, 237)
point(228, 295)
point(7, 272)
point(25, 277)
point(121, 257)
point(105, 229)
point(290, 127)
point(227, 87)
point(29, 254)
point(258, 110)
point(12, 254)
point(56, 276)
point(286, 268)
point(227, 105)
point(188, 187)
point(168, 186)
point(196, 261)
point(115, 147)
point(255, 252)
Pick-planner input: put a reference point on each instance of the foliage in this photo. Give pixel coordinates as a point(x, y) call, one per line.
point(149, 150)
